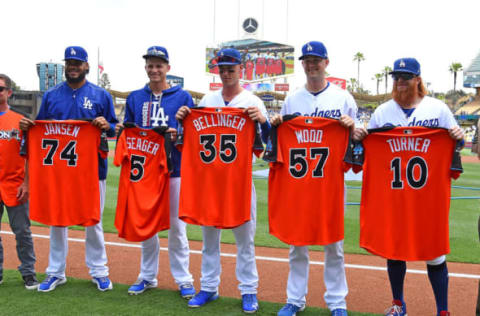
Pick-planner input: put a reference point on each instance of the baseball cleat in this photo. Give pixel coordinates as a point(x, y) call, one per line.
point(187, 290)
point(202, 298)
point(103, 283)
point(140, 286)
point(339, 312)
point(398, 309)
point(290, 310)
point(30, 281)
point(249, 303)
point(50, 283)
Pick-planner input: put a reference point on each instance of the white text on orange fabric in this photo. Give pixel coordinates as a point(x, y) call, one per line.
point(220, 120)
point(61, 129)
point(142, 145)
point(409, 144)
point(309, 135)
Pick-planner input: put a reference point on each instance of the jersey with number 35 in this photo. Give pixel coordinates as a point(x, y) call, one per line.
point(217, 147)
point(405, 201)
point(143, 207)
point(306, 180)
point(63, 178)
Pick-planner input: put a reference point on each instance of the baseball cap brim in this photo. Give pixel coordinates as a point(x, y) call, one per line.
point(156, 56)
point(402, 72)
point(75, 58)
point(311, 54)
point(228, 63)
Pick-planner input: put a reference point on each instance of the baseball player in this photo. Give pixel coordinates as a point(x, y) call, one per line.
point(317, 98)
point(156, 105)
point(232, 94)
point(13, 188)
point(78, 99)
point(411, 106)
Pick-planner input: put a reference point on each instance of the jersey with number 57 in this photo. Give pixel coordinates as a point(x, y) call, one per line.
point(143, 207)
point(405, 202)
point(217, 147)
point(63, 179)
point(308, 157)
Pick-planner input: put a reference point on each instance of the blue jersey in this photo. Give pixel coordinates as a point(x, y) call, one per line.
point(148, 110)
point(87, 102)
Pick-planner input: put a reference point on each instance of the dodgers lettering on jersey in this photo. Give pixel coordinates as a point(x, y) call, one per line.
point(217, 145)
point(143, 207)
point(307, 168)
point(406, 179)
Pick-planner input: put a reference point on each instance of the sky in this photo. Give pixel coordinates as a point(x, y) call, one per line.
point(436, 32)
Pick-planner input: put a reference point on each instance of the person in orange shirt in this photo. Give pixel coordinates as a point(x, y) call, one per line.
point(13, 188)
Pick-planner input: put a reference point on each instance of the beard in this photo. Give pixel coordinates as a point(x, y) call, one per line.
point(405, 98)
point(78, 79)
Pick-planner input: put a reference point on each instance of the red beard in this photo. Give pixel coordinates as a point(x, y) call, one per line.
point(405, 98)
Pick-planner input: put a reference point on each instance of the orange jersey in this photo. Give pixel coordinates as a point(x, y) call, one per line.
point(217, 147)
point(143, 207)
point(12, 165)
point(305, 184)
point(63, 177)
point(406, 192)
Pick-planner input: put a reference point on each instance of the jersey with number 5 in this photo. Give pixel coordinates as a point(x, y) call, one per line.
point(63, 178)
point(406, 192)
point(217, 147)
point(306, 180)
point(143, 207)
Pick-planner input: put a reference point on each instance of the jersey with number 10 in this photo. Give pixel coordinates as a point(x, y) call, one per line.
point(306, 180)
point(143, 207)
point(63, 164)
point(217, 151)
point(406, 192)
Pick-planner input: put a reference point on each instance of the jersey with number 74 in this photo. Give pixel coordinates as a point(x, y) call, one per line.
point(63, 172)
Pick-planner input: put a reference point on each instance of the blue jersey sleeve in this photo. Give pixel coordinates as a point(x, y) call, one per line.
point(109, 114)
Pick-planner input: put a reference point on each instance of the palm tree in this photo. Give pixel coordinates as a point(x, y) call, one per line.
point(353, 84)
point(454, 67)
point(386, 71)
point(378, 77)
point(358, 57)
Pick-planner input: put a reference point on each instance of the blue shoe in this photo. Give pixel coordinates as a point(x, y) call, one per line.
point(202, 298)
point(398, 309)
point(140, 286)
point(249, 303)
point(290, 310)
point(339, 312)
point(187, 290)
point(103, 283)
point(50, 283)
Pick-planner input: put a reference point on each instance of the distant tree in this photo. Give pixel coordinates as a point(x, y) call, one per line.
point(14, 86)
point(104, 81)
point(358, 57)
point(454, 68)
point(352, 85)
point(386, 71)
point(378, 78)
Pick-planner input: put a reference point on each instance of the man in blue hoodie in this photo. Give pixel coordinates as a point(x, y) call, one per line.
point(155, 105)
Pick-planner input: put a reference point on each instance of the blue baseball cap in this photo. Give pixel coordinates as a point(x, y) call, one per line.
point(158, 52)
point(314, 48)
point(228, 57)
point(77, 53)
point(406, 65)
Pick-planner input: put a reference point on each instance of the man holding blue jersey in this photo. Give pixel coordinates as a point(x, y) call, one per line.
point(78, 99)
point(151, 106)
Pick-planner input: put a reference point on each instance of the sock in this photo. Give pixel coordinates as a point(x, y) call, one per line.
point(438, 275)
point(396, 274)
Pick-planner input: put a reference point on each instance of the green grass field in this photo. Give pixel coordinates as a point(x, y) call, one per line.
point(84, 299)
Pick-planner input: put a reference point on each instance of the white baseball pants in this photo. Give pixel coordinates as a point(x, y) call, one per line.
point(95, 254)
point(246, 268)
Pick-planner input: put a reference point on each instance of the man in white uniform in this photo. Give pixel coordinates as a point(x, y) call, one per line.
point(232, 94)
point(411, 106)
point(317, 98)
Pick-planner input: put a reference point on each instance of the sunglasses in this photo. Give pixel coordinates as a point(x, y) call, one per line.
point(403, 75)
point(3, 89)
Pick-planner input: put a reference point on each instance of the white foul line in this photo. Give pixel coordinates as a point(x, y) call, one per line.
point(273, 259)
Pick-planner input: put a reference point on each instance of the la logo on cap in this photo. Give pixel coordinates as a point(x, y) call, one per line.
point(72, 52)
point(401, 64)
point(309, 47)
